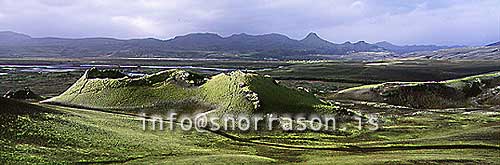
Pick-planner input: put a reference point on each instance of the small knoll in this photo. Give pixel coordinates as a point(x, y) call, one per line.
point(10, 112)
point(237, 92)
point(187, 92)
point(464, 92)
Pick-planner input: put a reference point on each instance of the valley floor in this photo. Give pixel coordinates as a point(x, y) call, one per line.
point(42, 134)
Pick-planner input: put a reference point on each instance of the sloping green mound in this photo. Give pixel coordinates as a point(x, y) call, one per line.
point(187, 92)
point(462, 92)
point(97, 89)
point(238, 92)
point(11, 110)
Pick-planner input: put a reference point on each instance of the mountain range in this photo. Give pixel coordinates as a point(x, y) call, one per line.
point(411, 48)
point(191, 45)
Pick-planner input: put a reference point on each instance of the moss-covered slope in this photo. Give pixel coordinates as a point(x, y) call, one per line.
point(179, 90)
point(237, 92)
point(462, 92)
point(110, 90)
point(11, 110)
point(73, 136)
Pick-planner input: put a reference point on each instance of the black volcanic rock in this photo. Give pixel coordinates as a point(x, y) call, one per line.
point(23, 94)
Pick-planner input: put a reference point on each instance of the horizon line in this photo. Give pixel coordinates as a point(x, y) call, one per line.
point(241, 33)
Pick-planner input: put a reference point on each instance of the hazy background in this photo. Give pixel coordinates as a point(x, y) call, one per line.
point(445, 22)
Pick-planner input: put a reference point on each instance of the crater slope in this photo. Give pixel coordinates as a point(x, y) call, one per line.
point(187, 92)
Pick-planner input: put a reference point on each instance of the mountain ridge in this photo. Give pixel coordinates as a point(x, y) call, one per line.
point(272, 45)
point(411, 48)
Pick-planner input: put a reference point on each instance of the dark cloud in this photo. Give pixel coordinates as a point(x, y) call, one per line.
point(402, 22)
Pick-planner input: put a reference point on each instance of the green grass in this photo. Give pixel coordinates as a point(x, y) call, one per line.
point(163, 90)
point(399, 70)
point(407, 157)
point(235, 92)
point(51, 134)
point(360, 87)
point(74, 135)
point(54, 134)
point(239, 92)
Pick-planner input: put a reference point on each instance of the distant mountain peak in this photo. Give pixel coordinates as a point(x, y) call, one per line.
point(312, 36)
point(204, 35)
point(12, 34)
point(313, 40)
point(383, 43)
point(13, 38)
point(361, 42)
point(240, 34)
point(273, 45)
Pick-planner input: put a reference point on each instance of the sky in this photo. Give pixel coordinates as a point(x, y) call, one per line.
point(442, 22)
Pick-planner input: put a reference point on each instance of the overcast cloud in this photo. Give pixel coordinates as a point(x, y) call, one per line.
point(445, 22)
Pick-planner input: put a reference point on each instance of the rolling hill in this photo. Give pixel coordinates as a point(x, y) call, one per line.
point(187, 92)
point(239, 92)
point(112, 90)
point(465, 92)
point(45, 134)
